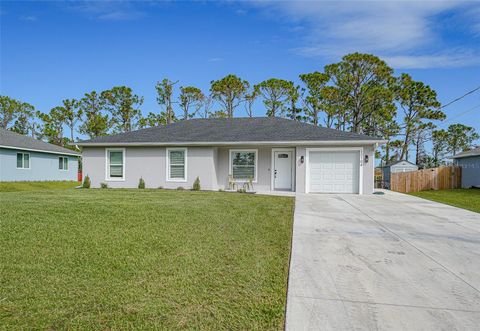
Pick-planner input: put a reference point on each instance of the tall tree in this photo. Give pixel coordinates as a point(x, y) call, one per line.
point(190, 97)
point(293, 111)
point(229, 92)
point(314, 100)
point(439, 146)
point(8, 110)
point(53, 126)
point(422, 135)
point(250, 98)
point(96, 123)
point(165, 99)
point(123, 106)
point(460, 137)
point(207, 105)
point(388, 129)
point(275, 94)
point(359, 82)
point(153, 119)
point(25, 119)
point(395, 151)
point(419, 104)
point(71, 114)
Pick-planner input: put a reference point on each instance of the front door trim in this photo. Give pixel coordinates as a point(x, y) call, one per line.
point(272, 167)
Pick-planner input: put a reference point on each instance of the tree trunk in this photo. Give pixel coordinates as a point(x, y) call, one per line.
point(405, 145)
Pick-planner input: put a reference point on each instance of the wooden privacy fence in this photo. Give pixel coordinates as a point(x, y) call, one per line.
point(441, 178)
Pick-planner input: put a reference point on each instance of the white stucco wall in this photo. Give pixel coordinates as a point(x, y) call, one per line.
point(210, 164)
point(150, 164)
point(263, 167)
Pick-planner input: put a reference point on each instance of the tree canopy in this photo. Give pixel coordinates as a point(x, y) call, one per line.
point(229, 92)
point(359, 93)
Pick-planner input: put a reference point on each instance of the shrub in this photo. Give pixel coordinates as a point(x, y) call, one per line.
point(141, 183)
point(196, 185)
point(103, 185)
point(86, 182)
point(180, 188)
point(160, 187)
point(242, 190)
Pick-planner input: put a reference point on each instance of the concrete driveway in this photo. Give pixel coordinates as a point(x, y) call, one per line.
point(391, 262)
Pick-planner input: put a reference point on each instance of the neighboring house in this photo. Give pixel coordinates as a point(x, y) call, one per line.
point(470, 163)
point(23, 158)
point(398, 166)
point(277, 154)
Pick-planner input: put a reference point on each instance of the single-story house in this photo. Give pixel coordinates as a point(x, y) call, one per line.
point(274, 153)
point(398, 166)
point(24, 158)
point(470, 163)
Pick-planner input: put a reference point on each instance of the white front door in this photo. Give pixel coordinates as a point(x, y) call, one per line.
point(282, 170)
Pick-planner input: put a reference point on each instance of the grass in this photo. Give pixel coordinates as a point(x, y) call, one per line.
point(463, 198)
point(36, 186)
point(143, 259)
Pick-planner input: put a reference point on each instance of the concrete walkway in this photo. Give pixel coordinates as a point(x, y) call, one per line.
point(391, 262)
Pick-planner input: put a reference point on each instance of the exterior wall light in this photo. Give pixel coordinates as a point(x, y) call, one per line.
point(366, 158)
point(302, 159)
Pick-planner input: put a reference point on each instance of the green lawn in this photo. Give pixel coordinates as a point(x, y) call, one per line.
point(36, 186)
point(463, 198)
point(143, 259)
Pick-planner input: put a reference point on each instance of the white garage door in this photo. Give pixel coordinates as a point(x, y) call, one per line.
point(334, 172)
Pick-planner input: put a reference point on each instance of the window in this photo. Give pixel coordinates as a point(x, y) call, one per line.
point(63, 163)
point(115, 164)
point(243, 164)
point(177, 164)
point(23, 161)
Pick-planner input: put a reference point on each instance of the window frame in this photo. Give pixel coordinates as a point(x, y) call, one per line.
point(23, 161)
point(230, 163)
point(63, 163)
point(107, 164)
point(185, 162)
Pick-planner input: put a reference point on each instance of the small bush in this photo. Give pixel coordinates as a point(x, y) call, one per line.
point(141, 183)
point(103, 185)
point(86, 182)
point(196, 185)
point(221, 190)
point(180, 188)
point(160, 187)
point(242, 190)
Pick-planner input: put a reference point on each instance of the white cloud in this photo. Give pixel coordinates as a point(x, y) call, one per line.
point(406, 32)
point(459, 58)
point(215, 59)
point(241, 12)
point(114, 10)
point(28, 18)
point(119, 16)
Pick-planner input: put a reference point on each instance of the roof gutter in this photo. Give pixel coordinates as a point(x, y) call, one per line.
point(230, 143)
point(39, 150)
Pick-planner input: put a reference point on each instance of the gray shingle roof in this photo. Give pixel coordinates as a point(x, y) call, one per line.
point(249, 129)
point(12, 139)
point(472, 152)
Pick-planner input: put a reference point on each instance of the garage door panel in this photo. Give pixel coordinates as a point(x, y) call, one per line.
point(334, 172)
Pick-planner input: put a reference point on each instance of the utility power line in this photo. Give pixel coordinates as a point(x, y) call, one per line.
point(460, 97)
point(460, 114)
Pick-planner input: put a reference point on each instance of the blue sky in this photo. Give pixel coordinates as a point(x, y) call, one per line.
point(61, 49)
